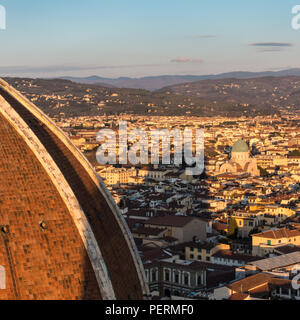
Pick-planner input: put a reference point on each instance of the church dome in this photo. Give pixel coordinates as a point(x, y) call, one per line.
point(62, 236)
point(240, 146)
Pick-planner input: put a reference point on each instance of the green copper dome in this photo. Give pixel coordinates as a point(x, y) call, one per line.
point(240, 146)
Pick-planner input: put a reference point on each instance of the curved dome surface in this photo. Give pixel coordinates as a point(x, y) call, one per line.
point(61, 233)
point(240, 146)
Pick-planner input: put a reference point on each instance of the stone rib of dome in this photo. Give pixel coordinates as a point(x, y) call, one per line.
point(124, 269)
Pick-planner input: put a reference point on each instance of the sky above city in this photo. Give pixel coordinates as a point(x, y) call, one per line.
point(139, 38)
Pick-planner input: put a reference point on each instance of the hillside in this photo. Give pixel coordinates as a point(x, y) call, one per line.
point(268, 91)
point(63, 97)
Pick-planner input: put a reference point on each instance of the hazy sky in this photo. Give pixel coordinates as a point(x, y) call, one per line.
point(115, 38)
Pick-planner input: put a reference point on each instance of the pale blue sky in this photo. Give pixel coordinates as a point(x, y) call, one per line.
point(140, 37)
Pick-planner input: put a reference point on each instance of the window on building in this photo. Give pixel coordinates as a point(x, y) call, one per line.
point(192, 257)
point(269, 242)
point(207, 258)
point(186, 279)
point(176, 278)
point(154, 276)
point(167, 276)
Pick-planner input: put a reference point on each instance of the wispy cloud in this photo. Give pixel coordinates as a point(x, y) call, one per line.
point(12, 70)
point(205, 36)
point(271, 44)
point(187, 60)
point(278, 49)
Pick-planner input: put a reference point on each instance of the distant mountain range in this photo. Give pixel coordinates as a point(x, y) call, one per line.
point(159, 82)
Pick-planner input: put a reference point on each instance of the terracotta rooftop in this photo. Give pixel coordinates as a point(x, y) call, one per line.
point(278, 234)
point(148, 231)
point(258, 285)
point(247, 284)
point(228, 254)
point(200, 245)
point(170, 221)
point(239, 296)
point(220, 226)
point(288, 249)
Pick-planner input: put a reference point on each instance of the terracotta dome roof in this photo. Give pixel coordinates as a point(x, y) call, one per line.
point(240, 146)
point(62, 236)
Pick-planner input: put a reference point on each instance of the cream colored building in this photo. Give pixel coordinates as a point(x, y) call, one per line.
point(281, 213)
point(203, 251)
point(267, 242)
point(182, 228)
point(246, 222)
point(115, 176)
point(154, 174)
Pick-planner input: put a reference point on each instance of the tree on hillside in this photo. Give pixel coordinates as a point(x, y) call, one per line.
point(263, 172)
point(232, 229)
point(295, 153)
